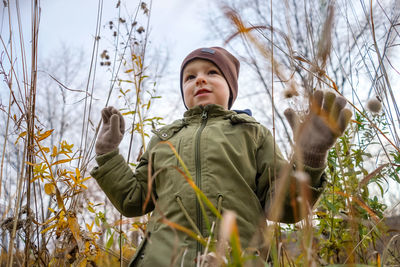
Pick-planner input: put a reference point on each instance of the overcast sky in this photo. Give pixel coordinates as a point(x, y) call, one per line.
point(74, 22)
point(179, 26)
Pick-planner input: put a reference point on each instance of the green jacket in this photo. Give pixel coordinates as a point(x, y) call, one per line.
point(230, 157)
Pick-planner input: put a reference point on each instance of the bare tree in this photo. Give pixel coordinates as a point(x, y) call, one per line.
point(314, 45)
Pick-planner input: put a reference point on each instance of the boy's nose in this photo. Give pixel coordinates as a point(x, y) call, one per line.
point(200, 80)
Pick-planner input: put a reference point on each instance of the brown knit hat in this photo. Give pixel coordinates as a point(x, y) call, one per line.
point(225, 61)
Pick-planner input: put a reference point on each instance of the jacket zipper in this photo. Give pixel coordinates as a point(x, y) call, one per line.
point(199, 216)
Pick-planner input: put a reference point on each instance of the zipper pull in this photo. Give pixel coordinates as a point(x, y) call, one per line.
point(204, 115)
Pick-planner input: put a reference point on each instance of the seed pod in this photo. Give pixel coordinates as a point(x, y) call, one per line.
point(374, 105)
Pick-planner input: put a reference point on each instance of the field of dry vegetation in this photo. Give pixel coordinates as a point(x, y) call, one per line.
point(52, 212)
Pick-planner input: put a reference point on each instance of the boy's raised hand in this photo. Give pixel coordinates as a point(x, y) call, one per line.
point(111, 132)
point(316, 133)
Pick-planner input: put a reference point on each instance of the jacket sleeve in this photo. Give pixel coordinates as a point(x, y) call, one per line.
point(278, 188)
point(126, 189)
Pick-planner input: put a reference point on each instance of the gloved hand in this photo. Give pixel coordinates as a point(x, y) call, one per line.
point(316, 133)
point(111, 132)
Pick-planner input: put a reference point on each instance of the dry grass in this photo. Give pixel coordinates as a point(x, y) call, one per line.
point(49, 216)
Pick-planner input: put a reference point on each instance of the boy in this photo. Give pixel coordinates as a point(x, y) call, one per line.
point(228, 153)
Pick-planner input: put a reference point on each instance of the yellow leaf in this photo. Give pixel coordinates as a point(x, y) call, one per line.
point(60, 201)
point(35, 178)
point(46, 149)
point(20, 136)
point(49, 220)
point(62, 161)
point(75, 229)
point(320, 213)
point(50, 189)
point(90, 227)
point(126, 81)
point(87, 178)
point(54, 153)
point(66, 147)
point(130, 70)
point(91, 209)
point(78, 174)
point(45, 135)
point(30, 163)
point(73, 179)
point(48, 228)
point(83, 186)
point(129, 112)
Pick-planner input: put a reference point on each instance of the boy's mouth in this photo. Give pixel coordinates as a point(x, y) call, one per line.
point(202, 91)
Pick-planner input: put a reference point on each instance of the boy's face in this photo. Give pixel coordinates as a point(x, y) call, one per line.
point(203, 84)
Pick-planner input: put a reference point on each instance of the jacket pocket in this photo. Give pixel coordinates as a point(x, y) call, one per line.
point(187, 216)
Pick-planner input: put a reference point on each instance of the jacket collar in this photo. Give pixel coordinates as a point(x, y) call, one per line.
point(194, 114)
point(212, 110)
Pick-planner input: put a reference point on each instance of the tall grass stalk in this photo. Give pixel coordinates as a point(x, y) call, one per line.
point(5, 143)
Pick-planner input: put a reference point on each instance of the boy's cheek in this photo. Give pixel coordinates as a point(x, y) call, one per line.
point(188, 102)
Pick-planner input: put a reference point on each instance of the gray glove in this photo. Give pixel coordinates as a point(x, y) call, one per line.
point(316, 133)
point(111, 132)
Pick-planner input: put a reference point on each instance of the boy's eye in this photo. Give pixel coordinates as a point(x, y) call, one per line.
point(189, 77)
point(213, 72)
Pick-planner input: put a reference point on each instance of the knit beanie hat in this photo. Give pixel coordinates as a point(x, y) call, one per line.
point(225, 61)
